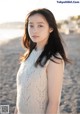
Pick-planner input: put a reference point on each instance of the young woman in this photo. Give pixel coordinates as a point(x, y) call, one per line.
point(40, 76)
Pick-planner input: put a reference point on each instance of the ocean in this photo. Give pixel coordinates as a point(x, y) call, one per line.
point(7, 34)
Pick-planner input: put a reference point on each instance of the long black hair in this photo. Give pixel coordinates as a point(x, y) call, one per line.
point(54, 45)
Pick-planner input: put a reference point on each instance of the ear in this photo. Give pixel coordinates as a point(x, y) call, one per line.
point(51, 30)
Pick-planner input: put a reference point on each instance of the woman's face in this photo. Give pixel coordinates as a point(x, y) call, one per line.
point(38, 28)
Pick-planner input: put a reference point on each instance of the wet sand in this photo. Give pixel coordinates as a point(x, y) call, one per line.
point(9, 64)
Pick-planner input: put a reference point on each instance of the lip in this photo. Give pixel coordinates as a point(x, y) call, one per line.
point(34, 36)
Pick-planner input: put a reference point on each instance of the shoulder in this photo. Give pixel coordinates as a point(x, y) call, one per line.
point(56, 60)
point(55, 63)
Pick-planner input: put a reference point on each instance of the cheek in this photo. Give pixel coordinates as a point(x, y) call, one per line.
point(29, 31)
point(46, 33)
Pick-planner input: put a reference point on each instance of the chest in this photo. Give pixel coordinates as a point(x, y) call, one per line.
point(28, 73)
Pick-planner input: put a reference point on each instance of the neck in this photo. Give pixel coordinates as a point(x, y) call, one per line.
point(41, 45)
point(38, 48)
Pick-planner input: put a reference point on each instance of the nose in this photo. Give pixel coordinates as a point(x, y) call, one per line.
point(35, 30)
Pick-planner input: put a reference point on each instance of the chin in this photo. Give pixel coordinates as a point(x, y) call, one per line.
point(34, 41)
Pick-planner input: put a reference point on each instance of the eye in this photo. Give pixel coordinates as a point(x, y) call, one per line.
point(31, 26)
point(40, 25)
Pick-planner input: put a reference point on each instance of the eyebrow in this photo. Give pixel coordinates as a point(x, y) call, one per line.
point(37, 22)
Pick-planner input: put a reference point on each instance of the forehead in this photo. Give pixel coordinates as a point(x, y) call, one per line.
point(37, 18)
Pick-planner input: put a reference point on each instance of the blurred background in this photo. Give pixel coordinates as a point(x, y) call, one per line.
point(13, 14)
point(12, 18)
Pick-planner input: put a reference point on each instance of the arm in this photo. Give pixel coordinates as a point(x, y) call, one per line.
point(55, 79)
point(15, 112)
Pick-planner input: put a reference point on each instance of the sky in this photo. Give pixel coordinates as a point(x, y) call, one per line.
point(16, 10)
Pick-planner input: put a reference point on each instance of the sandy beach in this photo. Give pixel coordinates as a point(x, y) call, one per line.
point(9, 64)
